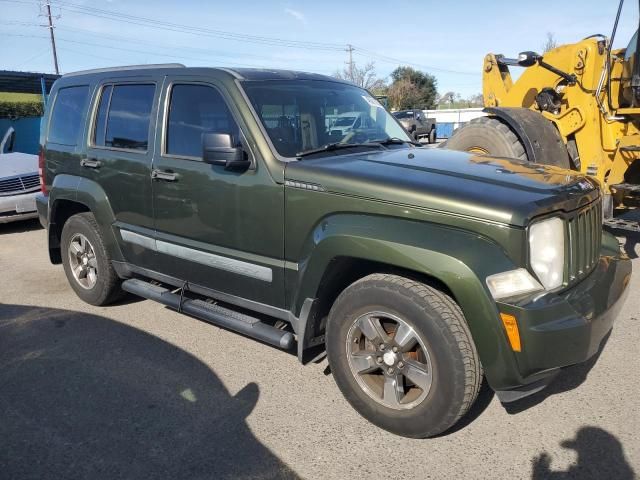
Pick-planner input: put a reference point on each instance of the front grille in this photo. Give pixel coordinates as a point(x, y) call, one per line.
point(585, 236)
point(19, 184)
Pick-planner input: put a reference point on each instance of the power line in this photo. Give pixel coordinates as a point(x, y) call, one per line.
point(132, 40)
point(190, 29)
point(30, 59)
point(272, 41)
point(397, 61)
point(144, 52)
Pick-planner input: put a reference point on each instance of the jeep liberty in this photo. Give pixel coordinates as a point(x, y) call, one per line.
point(225, 195)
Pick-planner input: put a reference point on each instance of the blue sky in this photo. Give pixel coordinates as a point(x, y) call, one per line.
point(446, 39)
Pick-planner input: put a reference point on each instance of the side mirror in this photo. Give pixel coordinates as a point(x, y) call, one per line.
point(418, 117)
point(527, 59)
point(218, 149)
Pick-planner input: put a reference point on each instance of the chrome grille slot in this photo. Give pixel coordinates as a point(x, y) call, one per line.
point(30, 181)
point(19, 184)
point(584, 233)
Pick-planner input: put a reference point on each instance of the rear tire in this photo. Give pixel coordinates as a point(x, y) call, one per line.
point(427, 375)
point(86, 261)
point(432, 136)
point(488, 136)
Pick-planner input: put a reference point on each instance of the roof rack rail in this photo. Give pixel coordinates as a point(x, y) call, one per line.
point(125, 68)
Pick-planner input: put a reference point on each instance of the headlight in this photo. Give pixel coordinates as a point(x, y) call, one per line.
point(512, 283)
point(546, 251)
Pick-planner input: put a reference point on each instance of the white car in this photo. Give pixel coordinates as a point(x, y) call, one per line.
point(345, 122)
point(19, 182)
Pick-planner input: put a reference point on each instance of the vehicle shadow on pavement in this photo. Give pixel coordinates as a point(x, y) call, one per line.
point(568, 379)
point(20, 226)
point(83, 396)
point(600, 455)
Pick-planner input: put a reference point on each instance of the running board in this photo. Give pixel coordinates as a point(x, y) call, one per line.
point(628, 188)
point(617, 223)
point(212, 313)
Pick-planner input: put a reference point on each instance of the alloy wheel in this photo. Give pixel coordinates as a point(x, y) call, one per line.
point(83, 261)
point(389, 360)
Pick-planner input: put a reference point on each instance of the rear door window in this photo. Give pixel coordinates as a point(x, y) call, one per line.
point(66, 122)
point(193, 111)
point(123, 117)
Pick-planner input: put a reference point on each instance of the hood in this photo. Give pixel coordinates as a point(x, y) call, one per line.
point(489, 188)
point(13, 164)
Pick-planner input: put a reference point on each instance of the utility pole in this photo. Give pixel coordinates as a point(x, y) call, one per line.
point(53, 38)
point(350, 49)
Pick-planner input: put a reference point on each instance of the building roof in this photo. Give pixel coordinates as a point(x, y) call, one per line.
point(25, 82)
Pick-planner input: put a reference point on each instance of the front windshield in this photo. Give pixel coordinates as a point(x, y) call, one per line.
point(403, 115)
point(301, 115)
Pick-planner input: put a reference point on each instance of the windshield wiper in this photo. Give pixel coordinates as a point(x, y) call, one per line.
point(396, 141)
point(338, 146)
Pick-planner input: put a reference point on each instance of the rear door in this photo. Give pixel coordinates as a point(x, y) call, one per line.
point(119, 158)
point(217, 228)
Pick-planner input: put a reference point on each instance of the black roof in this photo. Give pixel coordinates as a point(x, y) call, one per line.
point(240, 73)
point(25, 82)
point(276, 74)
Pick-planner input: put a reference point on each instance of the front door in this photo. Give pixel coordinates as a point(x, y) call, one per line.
point(217, 228)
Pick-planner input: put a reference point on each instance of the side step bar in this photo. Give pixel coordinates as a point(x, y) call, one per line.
point(212, 313)
point(617, 223)
point(628, 188)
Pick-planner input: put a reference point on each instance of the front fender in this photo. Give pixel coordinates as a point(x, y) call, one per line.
point(88, 193)
point(459, 259)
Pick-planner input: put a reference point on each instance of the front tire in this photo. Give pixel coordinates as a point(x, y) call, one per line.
point(487, 136)
point(402, 355)
point(86, 261)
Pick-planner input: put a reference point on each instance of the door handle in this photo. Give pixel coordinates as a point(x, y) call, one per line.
point(166, 176)
point(90, 163)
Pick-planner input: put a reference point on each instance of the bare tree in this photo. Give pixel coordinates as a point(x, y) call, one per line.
point(447, 98)
point(550, 43)
point(476, 100)
point(364, 77)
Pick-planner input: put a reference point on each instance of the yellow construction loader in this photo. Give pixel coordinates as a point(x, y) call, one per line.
point(577, 107)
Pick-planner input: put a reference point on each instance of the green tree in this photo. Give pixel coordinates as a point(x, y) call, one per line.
point(424, 83)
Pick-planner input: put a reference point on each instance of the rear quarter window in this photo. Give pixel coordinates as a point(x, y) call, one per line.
point(67, 117)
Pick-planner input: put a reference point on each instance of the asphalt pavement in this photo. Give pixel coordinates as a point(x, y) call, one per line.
point(138, 391)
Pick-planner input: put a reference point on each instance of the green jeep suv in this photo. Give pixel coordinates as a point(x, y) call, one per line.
point(228, 195)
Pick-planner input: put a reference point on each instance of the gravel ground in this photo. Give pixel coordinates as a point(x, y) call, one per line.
point(138, 391)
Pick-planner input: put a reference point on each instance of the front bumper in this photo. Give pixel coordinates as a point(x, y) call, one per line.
point(18, 207)
point(558, 330)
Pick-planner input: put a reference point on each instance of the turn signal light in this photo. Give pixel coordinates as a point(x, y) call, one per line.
point(513, 334)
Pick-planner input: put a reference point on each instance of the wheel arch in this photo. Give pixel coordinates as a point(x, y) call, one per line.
point(539, 136)
point(70, 195)
point(343, 271)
